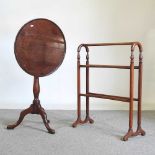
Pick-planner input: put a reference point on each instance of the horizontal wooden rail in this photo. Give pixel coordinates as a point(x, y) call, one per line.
point(133, 45)
point(111, 97)
point(109, 66)
point(110, 44)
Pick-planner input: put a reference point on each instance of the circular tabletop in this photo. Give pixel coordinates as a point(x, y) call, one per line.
point(40, 47)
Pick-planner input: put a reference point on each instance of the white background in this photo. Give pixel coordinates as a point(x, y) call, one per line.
point(82, 21)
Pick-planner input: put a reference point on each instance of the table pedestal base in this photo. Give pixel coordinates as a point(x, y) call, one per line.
point(35, 108)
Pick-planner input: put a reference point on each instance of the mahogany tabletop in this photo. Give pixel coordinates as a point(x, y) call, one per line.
point(40, 47)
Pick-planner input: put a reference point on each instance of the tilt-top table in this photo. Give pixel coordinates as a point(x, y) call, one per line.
point(40, 48)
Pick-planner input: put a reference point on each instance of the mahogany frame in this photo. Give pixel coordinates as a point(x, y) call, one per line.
point(129, 99)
